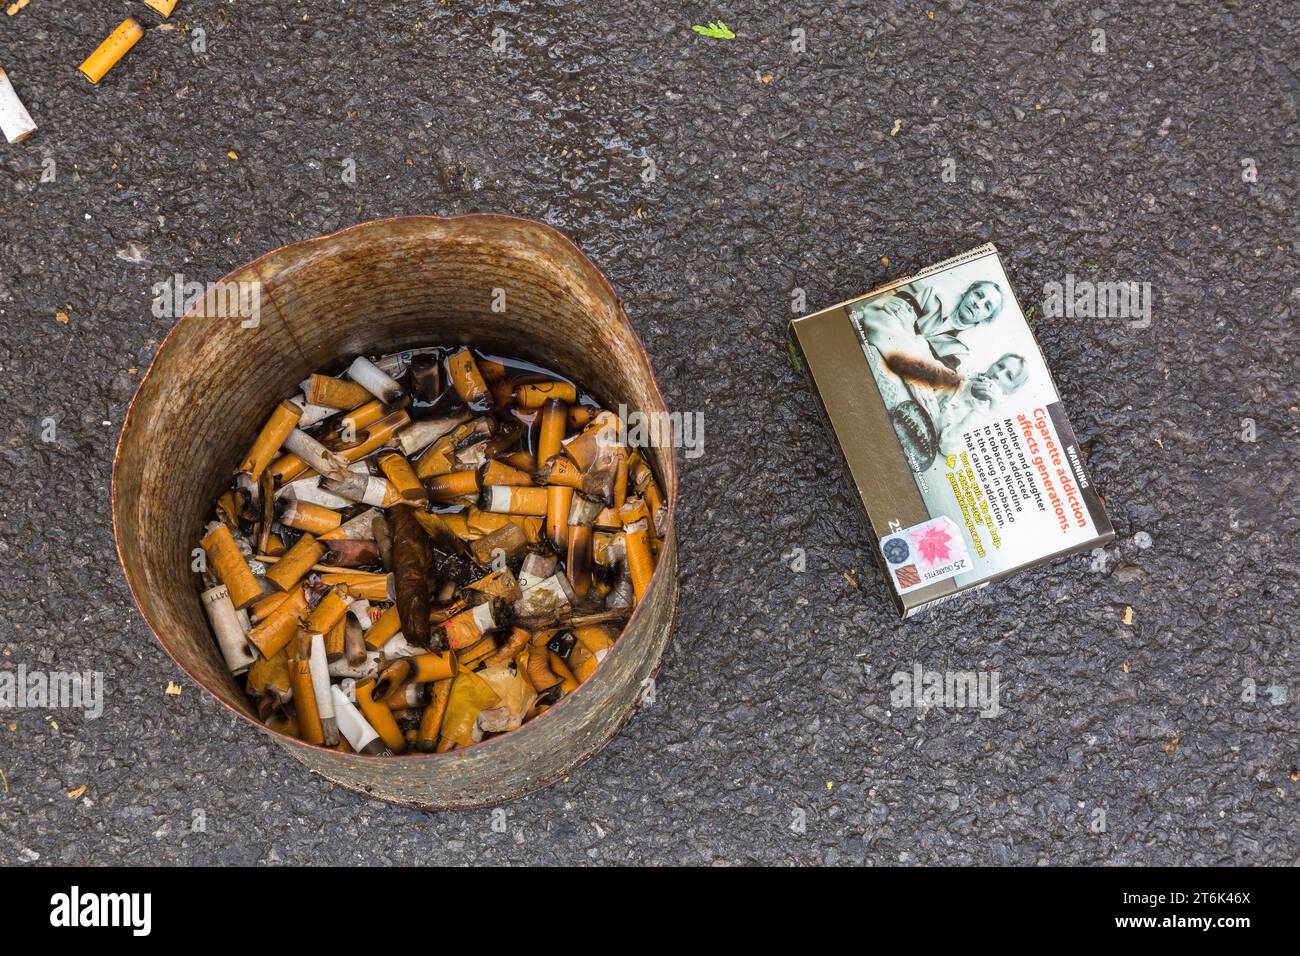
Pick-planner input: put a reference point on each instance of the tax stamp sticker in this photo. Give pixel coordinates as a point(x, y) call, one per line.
point(925, 553)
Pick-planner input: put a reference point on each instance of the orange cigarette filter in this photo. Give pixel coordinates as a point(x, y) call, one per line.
point(336, 393)
point(304, 703)
point(311, 518)
point(515, 500)
point(378, 434)
point(508, 651)
point(432, 667)
point(291, 568)
point(536, 394)
point(387, 624)
point(336, 640)
point(558, 500)
point(640, 561)
point(654, 503)
point(111, 50)
point(498, 473)
point(288, 467)
point(579, 416)
point(578, 563)
point(399, 471)
point(568, 683)
point(466, 379)
point(225, 559)
point(523, 460)
point(279, 628)
point(261, 609)
point(550, 436)
point(560, 470)
point(379, 716)
point(582, 662)
point(444, 488)
point(327, 613)
point(426, 738)
point(362, 417)
point(271, 675)
point(165, 7)
point(277, 428)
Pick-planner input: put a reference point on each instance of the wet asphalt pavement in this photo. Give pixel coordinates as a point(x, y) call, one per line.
point(710, 179)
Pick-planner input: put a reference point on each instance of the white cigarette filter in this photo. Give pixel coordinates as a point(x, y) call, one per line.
point(316, 455)
point(360, 610)
point(309, 490)
point(421, 434)
point(318, 662)
point(312, 414)
point(398, 646)
point(374, 380)
point(367, 668)
point(231, 636)
point(360, 735)
point(14, 118)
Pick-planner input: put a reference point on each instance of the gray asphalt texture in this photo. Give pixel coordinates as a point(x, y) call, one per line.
point(772, 738)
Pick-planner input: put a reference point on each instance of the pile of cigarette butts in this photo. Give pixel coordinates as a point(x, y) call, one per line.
point(430, 549)
point(17, 124)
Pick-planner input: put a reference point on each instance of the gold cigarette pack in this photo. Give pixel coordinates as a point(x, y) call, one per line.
point(951, 430)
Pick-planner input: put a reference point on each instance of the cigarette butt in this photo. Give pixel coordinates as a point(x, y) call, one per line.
point(568, 683)
point(366, 489)
point(422, 434)
point(498, 584)
point(334, 639)
point(449, 487)
point(361, 737)
point(385, 626)
point(295, 564)
point(315, 455)
point(537, 665)
point(578, 563)
point(269, 676)
point(304, 702)
point(579, 416)
point(468, 627)
point(440, 459)
point(582, 663)
point(536, 394)
point(359, 528)
point(378, 434)
point(512, 499)
point(362, 585)
point(550, 437)
point(426, 738)
point(379, 716)
point(225, 559)
point(639, 560)
point(336, 393)
point(403, 478)
point(620, 480)
point(111, 50)
point(290, 467)
point(469, 695)
point(467, 380)
point(509, 650)
point(560, 470)
point(230, 634)
point(363, 416)
point(327, 613)
point(277, 428)
point(374, 380)
point(15, 121)
point(558, 501)
point(509, 540)
point(492, 370)
point(367, 665)
point(305, 516)
point(498, 473)
point(261, 609)
point(354, 640)
point(536, 568)
point(474, 655)
point(432, 667)
point(278, 629)
point(657, 510)
point(165, 7)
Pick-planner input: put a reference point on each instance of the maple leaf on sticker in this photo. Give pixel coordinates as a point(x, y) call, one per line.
point(933, 545)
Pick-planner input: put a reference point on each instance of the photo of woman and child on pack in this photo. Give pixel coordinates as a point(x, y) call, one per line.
point(946, 351)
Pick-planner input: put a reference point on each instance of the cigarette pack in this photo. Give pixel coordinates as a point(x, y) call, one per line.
point(951, 429)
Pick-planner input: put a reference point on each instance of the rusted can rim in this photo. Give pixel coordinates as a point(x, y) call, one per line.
point(656, 580)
